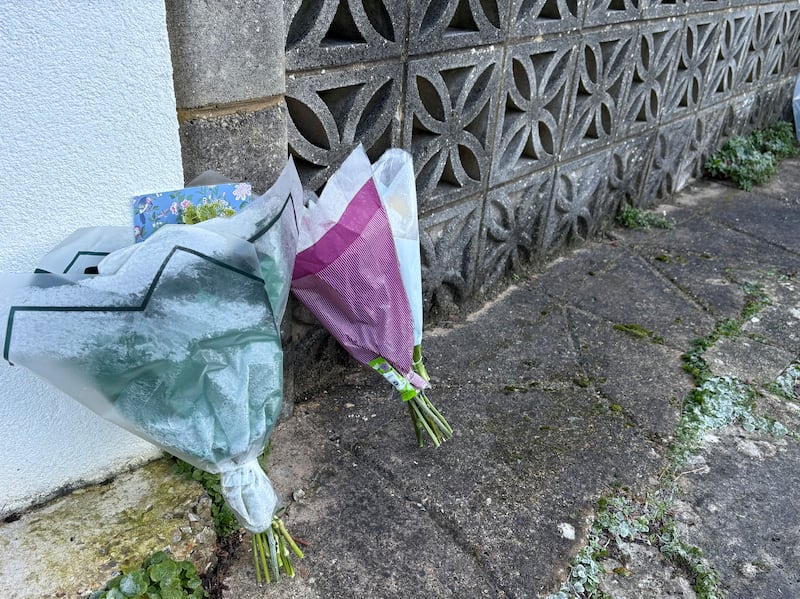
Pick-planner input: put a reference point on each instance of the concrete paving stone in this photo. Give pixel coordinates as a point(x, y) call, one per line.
point(537, 459)
point(783, 410)
point(747, 359)
point(484, 362)
point(710, 264)
point(746, 513)
point(694, 200)
point(779, 323)
point(764, 217)
point(503, 499)
point(644, 571)
point(365, 539)
point(639, 378)
point(535, 343)
point(703, 278)
point(630, 292)
point(564, 276)
point(225, 52)
point(725, 247)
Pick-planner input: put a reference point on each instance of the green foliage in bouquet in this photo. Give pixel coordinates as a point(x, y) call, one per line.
point(160, 577)
point(196, 214)
point(753, 160)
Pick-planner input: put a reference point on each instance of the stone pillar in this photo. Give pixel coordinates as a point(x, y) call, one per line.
point(228, 69)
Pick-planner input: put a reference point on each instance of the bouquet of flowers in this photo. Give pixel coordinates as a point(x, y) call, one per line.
point(348, 274)
point(176, 340)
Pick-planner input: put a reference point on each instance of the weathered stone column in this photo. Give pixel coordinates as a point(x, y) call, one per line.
point(228, 65)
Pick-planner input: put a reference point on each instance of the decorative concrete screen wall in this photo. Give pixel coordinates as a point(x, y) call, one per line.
point(530, 121)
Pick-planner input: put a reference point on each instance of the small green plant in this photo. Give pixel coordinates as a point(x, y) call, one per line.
point(225, 522)
point(787, 385)
point(753, 160)
point(631, 217)
point(777, 139)
point(626, 518)
point(272, 548)
point(160, 577)
point(742, 162)
point(715, 403)
point(584, 576)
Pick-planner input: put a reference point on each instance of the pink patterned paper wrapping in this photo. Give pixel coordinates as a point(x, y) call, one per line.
point(350, 280)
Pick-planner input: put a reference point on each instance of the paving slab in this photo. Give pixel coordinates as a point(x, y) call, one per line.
point(744, 513)
point(630, 292)
point(775, 220)
point(709, 262)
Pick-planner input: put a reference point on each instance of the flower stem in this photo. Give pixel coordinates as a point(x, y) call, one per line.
point(271, 552)
point(425, 416)
point(260, 556)
point(419, 420)
point(419, 366)
point(288, 538)
point(417, 427)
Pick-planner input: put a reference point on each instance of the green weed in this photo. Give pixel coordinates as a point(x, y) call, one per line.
point(753, 160)
point(160, 577)
point(636, 218)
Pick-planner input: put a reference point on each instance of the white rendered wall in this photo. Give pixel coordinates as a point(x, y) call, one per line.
point(87, 119)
